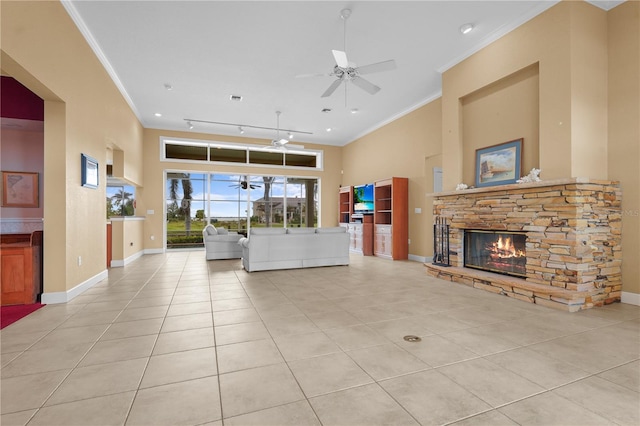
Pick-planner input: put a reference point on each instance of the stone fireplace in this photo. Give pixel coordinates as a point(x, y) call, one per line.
point(564, 241)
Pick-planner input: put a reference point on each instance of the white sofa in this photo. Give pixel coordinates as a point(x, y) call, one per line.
point(280, 248)
point(220, 243)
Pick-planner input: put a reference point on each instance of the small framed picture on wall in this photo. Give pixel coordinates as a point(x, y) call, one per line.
point(19, 189)
point(89, 171)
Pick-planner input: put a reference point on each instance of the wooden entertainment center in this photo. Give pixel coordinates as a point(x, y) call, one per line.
point(383, 232)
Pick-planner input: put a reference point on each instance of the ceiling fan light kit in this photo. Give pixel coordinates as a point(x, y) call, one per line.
point(344, 71)
point(281, 143)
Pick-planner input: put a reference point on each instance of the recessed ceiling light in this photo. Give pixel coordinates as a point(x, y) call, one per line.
point(354, 110)
point(328, 129)
point(168, 86)
point(326, 110)
point(466, 28)
point(157, 114)
point(236, 98)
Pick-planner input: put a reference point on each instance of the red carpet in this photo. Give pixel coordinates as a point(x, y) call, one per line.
point(11, 314)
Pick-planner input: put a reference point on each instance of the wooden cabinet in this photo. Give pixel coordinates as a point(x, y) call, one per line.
point(391, 218)
point(383, 241)
point(360, 237)
point(21, 268)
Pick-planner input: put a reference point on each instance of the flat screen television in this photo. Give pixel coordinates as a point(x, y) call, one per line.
point(363, 199)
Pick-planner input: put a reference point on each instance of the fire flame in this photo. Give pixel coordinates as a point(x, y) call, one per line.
point(505, 249)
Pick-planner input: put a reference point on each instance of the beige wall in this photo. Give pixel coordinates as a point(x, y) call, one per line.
point(502, 112)
point(408, 147)
point(588, 112)
point(624, 130)
point(567, 43)
point(128, 237)
point(84, 113)
point(151, 196)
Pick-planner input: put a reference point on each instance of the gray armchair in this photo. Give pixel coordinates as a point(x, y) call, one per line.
point(220, 243)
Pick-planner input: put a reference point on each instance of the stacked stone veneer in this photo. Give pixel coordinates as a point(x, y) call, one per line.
point(573, 247)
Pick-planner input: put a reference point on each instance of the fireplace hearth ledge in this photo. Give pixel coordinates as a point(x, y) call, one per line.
point(573, 228)
point(517, 288)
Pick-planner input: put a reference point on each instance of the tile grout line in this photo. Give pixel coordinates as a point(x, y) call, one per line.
point(144, 370)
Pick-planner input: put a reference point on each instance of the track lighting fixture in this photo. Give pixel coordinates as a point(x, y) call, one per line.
point(242, 126)
point(290, 135)
point(189, 125)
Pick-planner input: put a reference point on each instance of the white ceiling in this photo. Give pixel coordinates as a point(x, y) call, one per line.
point(209, 50)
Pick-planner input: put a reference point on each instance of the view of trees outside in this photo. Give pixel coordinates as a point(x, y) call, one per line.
point(234, 202)
point(120, 201)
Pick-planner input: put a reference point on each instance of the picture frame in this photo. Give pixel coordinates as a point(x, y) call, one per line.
point(499, 164)
point(20, 189)
point(89, 167)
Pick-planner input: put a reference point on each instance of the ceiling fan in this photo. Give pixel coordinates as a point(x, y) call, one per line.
point(281, 143)
point(345, 71)
point(245, 184)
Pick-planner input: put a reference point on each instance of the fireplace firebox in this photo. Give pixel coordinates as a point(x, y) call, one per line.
point(496, 251)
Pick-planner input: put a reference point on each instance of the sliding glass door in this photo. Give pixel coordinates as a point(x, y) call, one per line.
point(236, 203)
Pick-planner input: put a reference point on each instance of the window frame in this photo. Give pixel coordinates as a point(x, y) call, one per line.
point(317, 153)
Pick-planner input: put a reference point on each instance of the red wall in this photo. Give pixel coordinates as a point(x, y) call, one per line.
point(16, 101)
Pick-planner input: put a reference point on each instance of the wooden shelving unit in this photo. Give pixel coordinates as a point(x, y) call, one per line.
point(360, 233)
point(345, 204)
point(391, 218)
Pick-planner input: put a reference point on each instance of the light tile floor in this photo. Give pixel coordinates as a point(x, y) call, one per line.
point(173, 339)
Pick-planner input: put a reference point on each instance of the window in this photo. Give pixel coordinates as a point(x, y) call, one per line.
point(185, 202)
point(235, 202)
point(227, 155)
point(266, 157)
point(121, 200)
point(186, 152)
point(230, 153)
point(300, 160)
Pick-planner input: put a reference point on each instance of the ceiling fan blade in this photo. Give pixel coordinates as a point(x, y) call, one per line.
point(365, 85)
point(322, 74)
point(341, 58)
point(377, 67)
point(331, 88)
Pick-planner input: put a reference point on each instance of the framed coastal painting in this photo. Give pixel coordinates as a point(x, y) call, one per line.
point(499, 164)
point(19, 189)
point(89, 171)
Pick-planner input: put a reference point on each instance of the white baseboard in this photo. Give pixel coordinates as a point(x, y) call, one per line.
point(630, 298)
point(154, 251)
point(128, 260)
point(66, 296)
point(421, 259)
